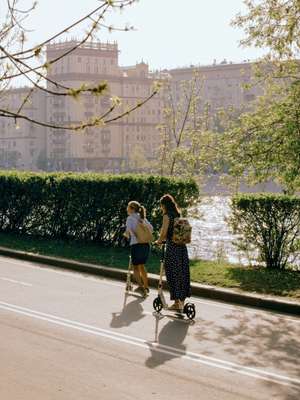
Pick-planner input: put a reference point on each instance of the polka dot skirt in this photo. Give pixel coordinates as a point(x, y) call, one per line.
point(177, 271)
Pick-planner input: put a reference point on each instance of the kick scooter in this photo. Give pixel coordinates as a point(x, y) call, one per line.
point(129, 286)
point(159, 303)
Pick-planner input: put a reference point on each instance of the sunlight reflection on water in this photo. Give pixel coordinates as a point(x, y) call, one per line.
point(212, 238)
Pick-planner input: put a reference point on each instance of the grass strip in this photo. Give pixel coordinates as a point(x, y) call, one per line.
point(251, 279)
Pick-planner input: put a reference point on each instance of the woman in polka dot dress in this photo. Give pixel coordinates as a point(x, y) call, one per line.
point(176, 257)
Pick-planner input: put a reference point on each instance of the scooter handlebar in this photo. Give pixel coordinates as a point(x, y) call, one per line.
point(163, 248)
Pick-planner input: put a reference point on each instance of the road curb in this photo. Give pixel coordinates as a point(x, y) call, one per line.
point(199, 290)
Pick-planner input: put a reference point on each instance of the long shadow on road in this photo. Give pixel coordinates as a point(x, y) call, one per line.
point(172, 335)
point(131, 312)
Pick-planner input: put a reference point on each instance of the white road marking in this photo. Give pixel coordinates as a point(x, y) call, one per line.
point(157, 347)
point(14, 281)
point(102, 280)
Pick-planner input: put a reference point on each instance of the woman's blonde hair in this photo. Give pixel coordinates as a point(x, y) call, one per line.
point(138, 208)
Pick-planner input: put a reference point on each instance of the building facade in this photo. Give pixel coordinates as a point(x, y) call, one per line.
point(22, 143)
point(222, 85)
point(110, 147)
point(123, 144)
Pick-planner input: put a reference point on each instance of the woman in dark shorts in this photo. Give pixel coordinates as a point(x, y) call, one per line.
point(139, 251)
point(176, 257)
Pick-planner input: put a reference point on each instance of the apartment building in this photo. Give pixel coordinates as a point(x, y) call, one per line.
point(22, 143)
point(222, 85)
point(109, 147)
point(114, 146)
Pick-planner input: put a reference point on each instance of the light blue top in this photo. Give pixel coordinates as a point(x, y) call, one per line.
point(131, 224)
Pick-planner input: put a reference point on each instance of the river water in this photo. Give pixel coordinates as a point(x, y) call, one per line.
point(212, 239)
point(211, 235)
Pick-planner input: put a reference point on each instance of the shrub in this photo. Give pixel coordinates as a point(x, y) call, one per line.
point(83, 206)
point(22, 196)
point(269, 224)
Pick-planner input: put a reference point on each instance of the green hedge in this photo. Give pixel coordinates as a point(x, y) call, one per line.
point(268, 224)
point(82, 206)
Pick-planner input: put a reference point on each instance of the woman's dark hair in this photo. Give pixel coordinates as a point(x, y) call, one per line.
point(138, 208)
point(170, 204)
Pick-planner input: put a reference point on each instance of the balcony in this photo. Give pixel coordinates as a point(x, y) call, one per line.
point(89, 149)
point(89, 114)
point(59, 142)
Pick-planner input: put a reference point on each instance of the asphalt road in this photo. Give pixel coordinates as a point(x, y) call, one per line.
point(65, 336)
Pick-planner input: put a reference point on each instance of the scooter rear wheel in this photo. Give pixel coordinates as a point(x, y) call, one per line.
point(128, 288)
point(157, 304)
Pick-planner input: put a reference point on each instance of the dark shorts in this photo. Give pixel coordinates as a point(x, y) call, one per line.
point(139, 253)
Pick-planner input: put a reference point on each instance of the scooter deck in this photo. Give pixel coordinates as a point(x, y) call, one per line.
point(131, 292)
point(135, 294)
point(174, 315)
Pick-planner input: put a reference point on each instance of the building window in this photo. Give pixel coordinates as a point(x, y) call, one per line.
point(79, 59)
point(249, 97)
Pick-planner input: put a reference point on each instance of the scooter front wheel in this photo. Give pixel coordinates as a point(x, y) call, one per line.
point(157, 304)
point(189, 310)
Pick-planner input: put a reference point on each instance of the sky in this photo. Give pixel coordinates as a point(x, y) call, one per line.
point(168, 33)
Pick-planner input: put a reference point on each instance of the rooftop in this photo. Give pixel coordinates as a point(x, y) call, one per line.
point(88, 45)
point(222, 64)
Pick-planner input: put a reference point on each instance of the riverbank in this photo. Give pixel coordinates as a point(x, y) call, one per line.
point(221, 274)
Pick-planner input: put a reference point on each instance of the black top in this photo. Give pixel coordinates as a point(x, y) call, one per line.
point(171, 216)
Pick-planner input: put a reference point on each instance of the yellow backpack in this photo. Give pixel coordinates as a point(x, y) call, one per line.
point(143, 232)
